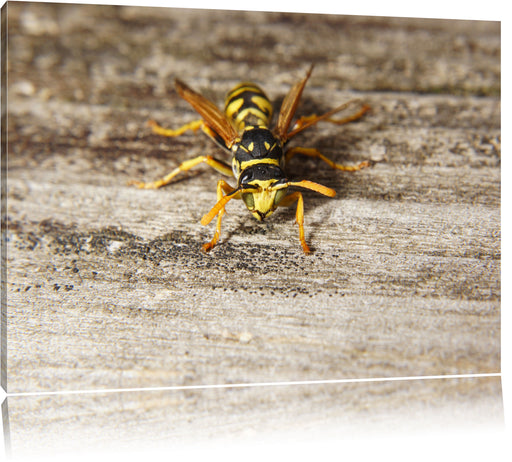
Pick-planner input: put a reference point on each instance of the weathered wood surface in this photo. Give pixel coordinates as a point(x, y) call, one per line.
point(395, 414)
point(107, 284)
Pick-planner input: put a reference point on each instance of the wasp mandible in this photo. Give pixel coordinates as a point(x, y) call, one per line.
point(258, 156)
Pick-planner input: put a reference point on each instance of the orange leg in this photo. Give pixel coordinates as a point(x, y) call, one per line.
point(183, 167)
point(222, 186)
point(299, 215)
point(194, 126)
point(307, 121)
point(312, 119)
point(312, 152)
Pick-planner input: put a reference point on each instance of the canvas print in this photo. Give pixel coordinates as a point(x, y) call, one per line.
point(223, 223)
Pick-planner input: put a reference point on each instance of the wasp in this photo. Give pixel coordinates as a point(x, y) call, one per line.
point(258, 155)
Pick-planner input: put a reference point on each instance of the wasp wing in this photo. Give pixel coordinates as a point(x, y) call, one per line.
point(211, 114)
point(288, 108)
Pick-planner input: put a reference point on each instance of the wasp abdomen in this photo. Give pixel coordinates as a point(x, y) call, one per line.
point(247, 105)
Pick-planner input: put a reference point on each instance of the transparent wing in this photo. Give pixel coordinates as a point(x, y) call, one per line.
point(289, 106)
point(211, 114)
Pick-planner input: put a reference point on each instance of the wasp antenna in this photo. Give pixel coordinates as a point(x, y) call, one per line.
point(314, 187)
point(215, 210)
point(218, 207)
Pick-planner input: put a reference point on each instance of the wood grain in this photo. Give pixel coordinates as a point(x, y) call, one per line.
point(283, 418)
point(107, 284)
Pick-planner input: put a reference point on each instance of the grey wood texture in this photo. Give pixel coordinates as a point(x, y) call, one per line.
point(429, 416)
point(108, 286)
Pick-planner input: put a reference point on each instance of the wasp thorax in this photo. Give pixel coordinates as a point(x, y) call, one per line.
point(258, 143)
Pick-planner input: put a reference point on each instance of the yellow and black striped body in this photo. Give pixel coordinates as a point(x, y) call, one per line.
point(248, 106)
point(258, 158)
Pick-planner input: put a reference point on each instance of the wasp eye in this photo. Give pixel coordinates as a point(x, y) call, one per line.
point(280, 193)
point(248, 198)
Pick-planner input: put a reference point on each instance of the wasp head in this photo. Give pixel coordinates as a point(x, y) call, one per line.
point(263, 186)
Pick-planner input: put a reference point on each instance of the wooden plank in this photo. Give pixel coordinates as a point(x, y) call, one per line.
point(107, 284)
point(247, 419)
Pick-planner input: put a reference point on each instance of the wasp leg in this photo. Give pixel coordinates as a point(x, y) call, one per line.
point(194, 126)
point(221, 186)
point(345, 120)
point(313, 119)
point(299, 215)
point(218, 165)
point(159, 130)
point(312, 152)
